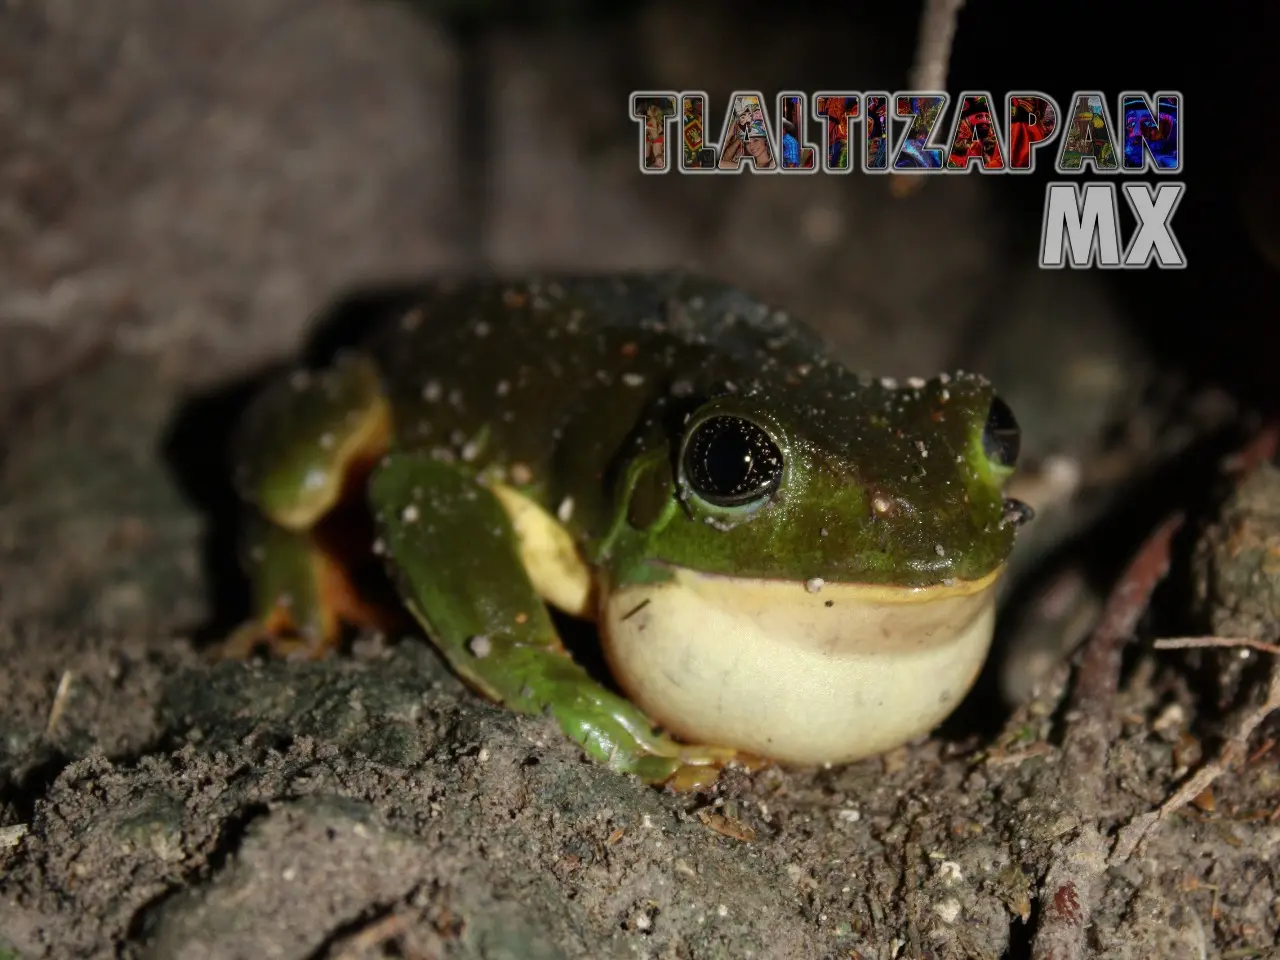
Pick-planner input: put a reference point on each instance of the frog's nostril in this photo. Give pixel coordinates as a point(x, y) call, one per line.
point(1017, 513)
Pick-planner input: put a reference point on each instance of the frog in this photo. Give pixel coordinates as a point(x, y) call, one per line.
point(784, 561)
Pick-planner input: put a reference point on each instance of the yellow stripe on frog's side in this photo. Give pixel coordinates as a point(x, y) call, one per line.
point(549, 555)
point(793, 674)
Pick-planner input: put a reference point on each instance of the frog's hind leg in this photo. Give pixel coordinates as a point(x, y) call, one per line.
point(303, 455)
point(456, 558)
point(304, 593)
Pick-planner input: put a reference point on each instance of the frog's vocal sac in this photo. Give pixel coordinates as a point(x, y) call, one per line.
point(784, 560)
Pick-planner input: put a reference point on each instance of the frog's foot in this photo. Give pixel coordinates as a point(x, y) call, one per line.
point(693, 770)
point(254, 637)
point(616, 732)
point(304, 597)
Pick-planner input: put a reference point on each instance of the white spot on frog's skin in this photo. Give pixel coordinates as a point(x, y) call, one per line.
point(326, 441)
point(480, 646)
point(564, 512)
point(849, 816)
point(822, 531)
point(924, 451)
point(880, 505)
point(814, 584)
point(889, 383)
point(431, 391)
point(939, 549)
point(722, 911)
point(503, 388)
point(409, 514)
point(633, 379)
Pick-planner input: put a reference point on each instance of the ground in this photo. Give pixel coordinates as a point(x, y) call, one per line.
point(188, 190)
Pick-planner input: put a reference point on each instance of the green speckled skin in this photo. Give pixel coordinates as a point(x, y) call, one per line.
point(579, 392)
point(575, 378)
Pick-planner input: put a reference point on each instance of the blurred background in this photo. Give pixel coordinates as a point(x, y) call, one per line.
point(203, 178)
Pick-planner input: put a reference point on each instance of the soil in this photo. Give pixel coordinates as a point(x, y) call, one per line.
point(186, 191)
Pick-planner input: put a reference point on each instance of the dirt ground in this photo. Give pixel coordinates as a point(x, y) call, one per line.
point(187, 189)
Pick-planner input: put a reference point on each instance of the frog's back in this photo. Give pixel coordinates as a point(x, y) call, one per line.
point(546, 379)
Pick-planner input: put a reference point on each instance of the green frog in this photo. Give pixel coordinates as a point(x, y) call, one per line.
point(784, 561)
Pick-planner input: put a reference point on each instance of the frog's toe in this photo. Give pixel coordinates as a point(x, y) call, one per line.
point(692, 779)
point(277, 642)
point(684, 767)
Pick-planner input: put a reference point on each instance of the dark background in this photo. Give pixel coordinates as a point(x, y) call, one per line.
point(1212, 319)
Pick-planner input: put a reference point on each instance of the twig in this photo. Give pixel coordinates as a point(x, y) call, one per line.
point(932, 63)
point(1067, 894)
point(376, 933)
point(60, 698)
point(1261, 449)
point(1232, 751)
point(1189, 643)
point(1097, 682)
point(933, 49)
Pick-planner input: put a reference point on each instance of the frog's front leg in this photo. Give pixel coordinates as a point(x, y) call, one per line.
point(456, 559)
point(304, 449)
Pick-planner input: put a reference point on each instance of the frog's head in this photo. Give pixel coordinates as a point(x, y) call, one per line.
point(809, 574)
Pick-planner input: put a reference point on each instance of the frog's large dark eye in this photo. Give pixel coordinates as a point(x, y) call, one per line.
point(729, 461)
point(1001, 437)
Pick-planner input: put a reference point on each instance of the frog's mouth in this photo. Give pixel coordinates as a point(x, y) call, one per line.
point(781, 670)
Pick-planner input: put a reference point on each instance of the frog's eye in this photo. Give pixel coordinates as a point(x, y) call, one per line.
point(1001, 437)
point(730, 461)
